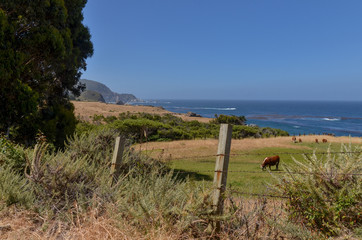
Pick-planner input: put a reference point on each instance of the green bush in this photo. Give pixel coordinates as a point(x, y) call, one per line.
point(14, 189)
point(327, 195)
point(143, 127)
point(12, 156)
point(59, 181)
point(96, 145)
point(235, 120)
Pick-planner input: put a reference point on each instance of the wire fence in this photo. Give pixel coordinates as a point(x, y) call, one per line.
point(236, 192)
point(257, 194)
point(307, 154)
point(265, 172)
point(263, 154)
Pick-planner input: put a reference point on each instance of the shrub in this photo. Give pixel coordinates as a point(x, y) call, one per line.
point(327, 195)
point(244, 131)
point(58, 180)
point(235, 120)
point(11, 156)
point(154, 201)
point(96, 145)
point(14, 189)
point(137, 129)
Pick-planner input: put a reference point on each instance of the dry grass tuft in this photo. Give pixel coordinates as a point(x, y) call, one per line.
point(247, 218)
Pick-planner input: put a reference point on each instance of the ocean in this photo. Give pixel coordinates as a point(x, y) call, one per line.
point(295, 117)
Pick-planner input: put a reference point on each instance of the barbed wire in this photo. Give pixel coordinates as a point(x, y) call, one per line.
point(264, 154)
point(257, 194)
point(273, 172)
point(293, 153)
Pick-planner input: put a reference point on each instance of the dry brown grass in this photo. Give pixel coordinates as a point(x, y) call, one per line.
point(85, 110)
point(248, 221)
point(21, 224)
point(197, 148)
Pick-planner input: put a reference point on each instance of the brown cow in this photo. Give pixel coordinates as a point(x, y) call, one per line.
point(324, 140)
point(300, 140)
point(294, 139)
point(270, 161)
point(316, 140)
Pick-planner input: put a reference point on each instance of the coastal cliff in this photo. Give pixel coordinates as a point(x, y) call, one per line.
point(108, 95)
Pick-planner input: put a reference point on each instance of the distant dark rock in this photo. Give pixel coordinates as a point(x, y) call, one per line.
point(91, 96)
point(108, 94)
point(120, 102)
point(192, 114)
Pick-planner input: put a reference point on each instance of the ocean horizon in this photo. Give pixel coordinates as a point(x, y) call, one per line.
point(341, 118)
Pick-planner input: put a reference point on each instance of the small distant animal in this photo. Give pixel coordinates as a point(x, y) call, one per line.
point(270, 161)
point(300, 140)
point(294, 139)
point(324, 140)
point(316, 140)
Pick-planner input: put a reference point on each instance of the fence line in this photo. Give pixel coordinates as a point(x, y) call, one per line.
point(264, 154)
point(220, 172)
point(274, 172)
point(256, 194)
point(292, 153)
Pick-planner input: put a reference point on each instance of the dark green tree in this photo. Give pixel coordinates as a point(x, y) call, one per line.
point(43, 48)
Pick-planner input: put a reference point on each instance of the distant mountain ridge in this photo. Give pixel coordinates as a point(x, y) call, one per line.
point(108, 94)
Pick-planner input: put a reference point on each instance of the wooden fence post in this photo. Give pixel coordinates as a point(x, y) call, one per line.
point(117, 158)
point(221, 169)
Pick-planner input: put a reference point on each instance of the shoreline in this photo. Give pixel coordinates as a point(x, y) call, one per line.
point(85, 110)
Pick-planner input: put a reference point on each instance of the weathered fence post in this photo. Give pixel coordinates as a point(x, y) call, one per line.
point(221, 168)
point(117, 158)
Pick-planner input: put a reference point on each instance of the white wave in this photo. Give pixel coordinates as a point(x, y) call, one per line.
point(206, 108)
point(296, 126)
point(331, 119)
point(224, 109)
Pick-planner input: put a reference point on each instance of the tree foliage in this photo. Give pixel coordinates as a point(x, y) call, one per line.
point(43, 48)
point(235, 120)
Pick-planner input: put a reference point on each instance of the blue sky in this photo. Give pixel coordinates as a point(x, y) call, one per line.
point(213, 49)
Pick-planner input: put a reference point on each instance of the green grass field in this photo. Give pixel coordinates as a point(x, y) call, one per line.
point(254, 180)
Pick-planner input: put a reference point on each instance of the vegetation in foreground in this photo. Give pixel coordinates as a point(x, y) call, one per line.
point(65, 191)
point(327, 195)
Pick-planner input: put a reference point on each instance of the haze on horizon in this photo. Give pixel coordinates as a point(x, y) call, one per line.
point(208, 49)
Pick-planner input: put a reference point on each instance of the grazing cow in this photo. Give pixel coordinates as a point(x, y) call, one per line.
point(270, 161)
point(294, 139)
point(324, 140)
point(300, 140)
point(316, 140)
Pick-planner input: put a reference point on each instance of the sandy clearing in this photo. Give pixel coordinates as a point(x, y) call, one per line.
point(85, 110)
